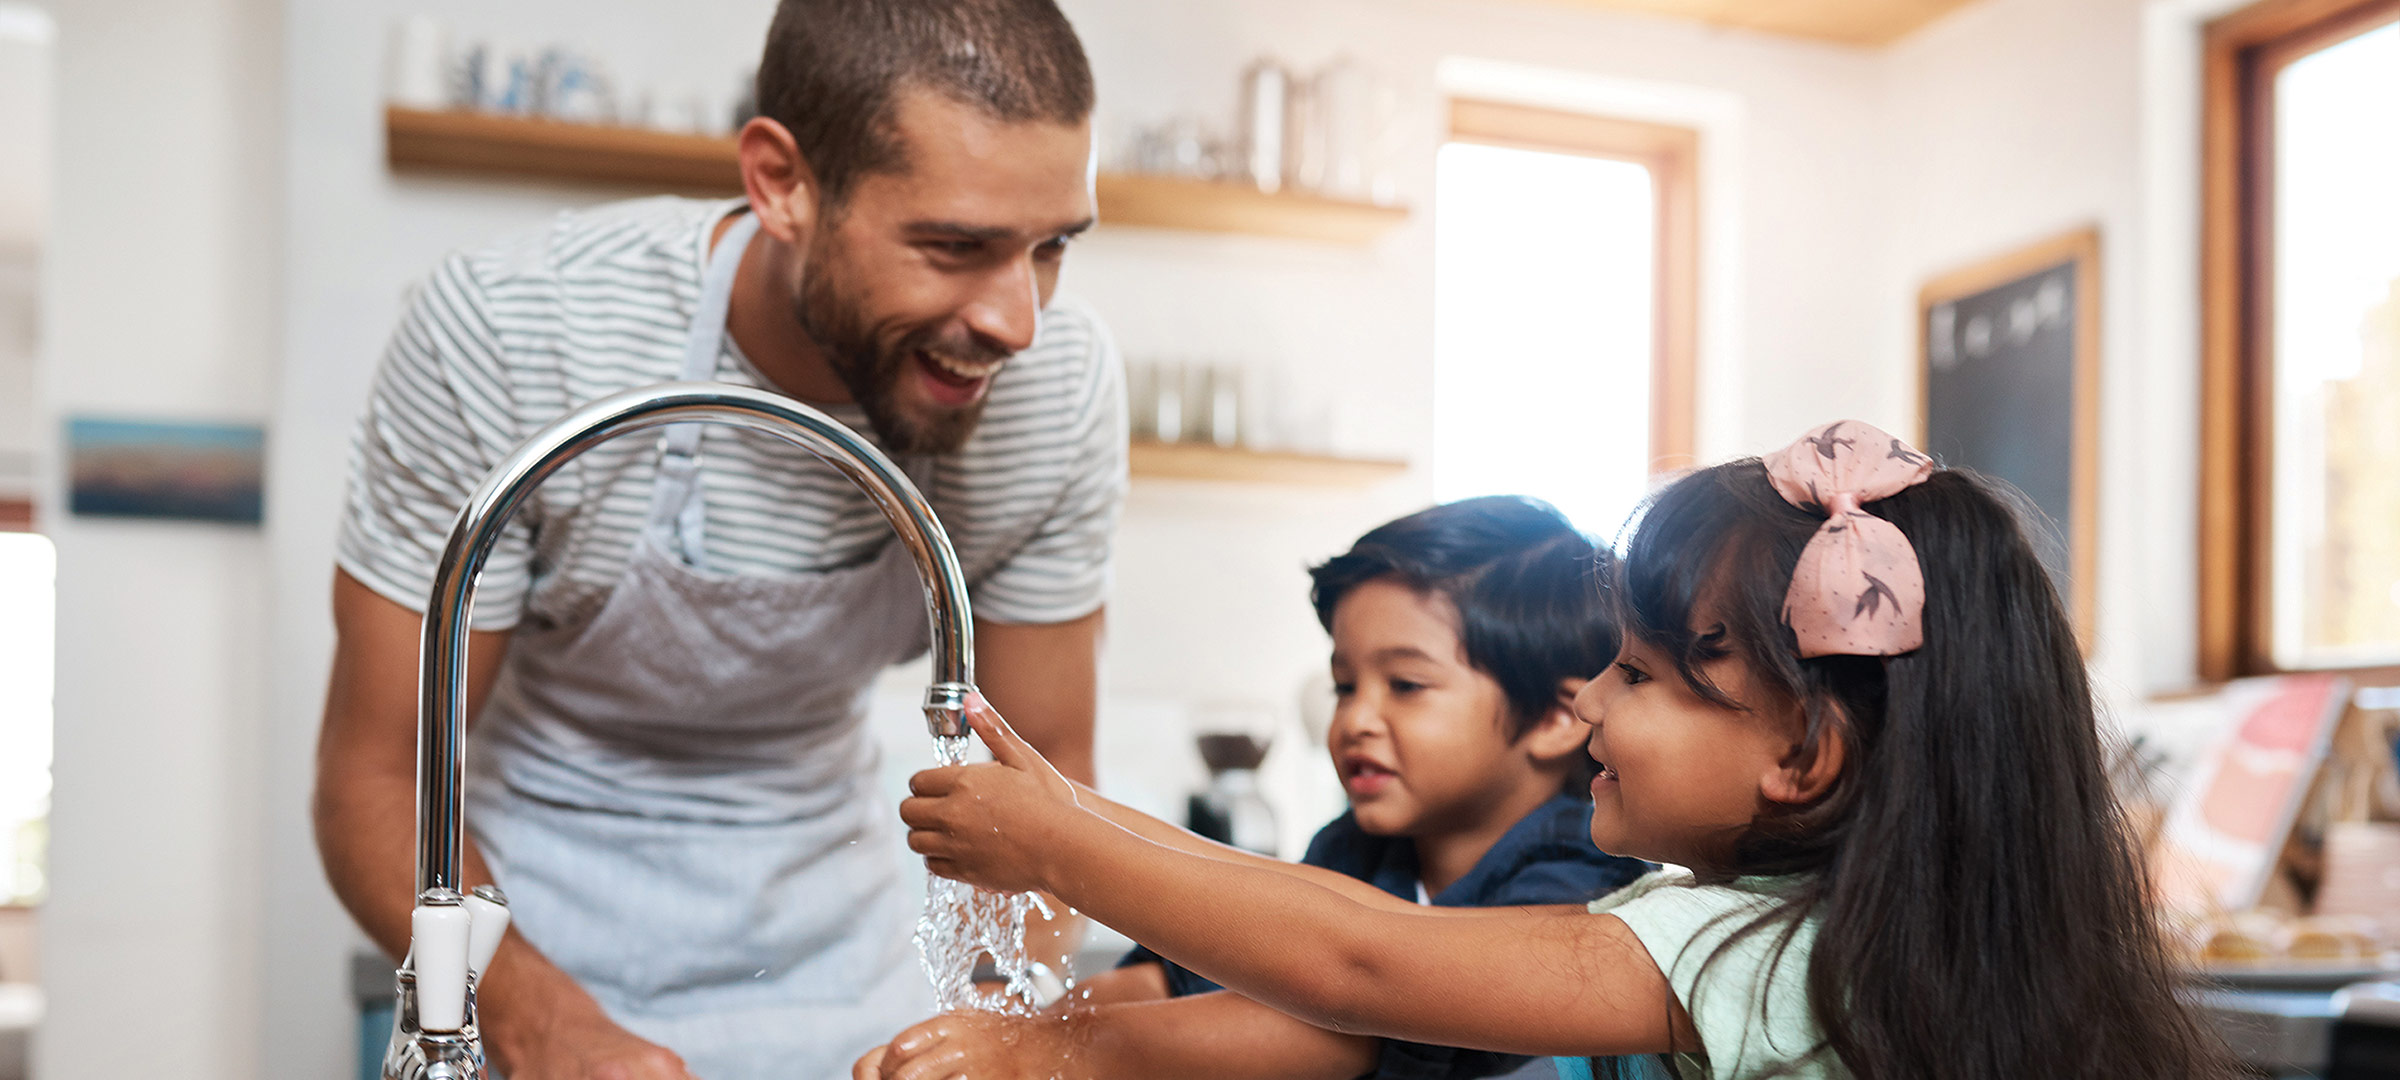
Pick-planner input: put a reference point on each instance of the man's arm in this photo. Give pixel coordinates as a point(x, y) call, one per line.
point(1048, 673)
point(540, 1025)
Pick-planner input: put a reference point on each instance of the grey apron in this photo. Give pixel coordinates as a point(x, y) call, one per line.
point(680, 794)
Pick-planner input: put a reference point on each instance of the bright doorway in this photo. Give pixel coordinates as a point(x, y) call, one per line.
point(1564, 281)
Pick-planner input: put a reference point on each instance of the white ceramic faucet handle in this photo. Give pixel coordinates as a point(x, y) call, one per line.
point(488, 906)
point(439, 929)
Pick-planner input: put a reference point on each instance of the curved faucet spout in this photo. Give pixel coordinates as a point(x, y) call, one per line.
point(440, 825)
point(442, 727)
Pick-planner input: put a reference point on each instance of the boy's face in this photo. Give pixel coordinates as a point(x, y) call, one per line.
point(1419, 738)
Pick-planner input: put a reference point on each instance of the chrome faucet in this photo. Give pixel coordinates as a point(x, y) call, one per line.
point(453, 932)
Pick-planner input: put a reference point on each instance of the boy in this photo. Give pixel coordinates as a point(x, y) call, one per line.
point(1460, 634)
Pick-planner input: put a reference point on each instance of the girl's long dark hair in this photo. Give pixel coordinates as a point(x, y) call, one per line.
point(1983, 909)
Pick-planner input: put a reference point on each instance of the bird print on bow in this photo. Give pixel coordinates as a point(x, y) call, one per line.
point(1857, 590)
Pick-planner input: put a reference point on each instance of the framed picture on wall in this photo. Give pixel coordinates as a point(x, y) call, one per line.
point(2009, 375)
point(169, 469)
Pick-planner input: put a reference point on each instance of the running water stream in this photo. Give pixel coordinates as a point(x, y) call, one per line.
point(962, 923)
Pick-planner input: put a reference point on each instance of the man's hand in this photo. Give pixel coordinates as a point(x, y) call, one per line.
point(982, 1045)
point(983, 824)
point(582, 1045)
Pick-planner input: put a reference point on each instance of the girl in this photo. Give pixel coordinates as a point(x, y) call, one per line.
point(1849, 701)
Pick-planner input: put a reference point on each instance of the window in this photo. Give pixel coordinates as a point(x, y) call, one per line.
point(2300, 514)
point(1564, 289)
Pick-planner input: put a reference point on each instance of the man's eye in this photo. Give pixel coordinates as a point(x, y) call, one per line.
point(955, 248)
point(1633, 675)
point(1054, 247)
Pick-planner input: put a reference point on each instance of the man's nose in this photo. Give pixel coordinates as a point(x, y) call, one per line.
point(1007, 313)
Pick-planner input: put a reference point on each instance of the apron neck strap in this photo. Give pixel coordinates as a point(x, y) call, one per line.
point(676, 504)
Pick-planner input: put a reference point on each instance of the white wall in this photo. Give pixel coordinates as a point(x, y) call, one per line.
point(2011, 122)
point(26, 34)
point(2015, 120)
point(160, 298)
point(20, 324)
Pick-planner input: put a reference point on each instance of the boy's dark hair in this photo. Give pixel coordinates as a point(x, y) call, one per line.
point(833, 70)
point(1525, 584)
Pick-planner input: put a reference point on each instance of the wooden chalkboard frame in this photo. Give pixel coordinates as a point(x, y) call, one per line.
point(2082, 248)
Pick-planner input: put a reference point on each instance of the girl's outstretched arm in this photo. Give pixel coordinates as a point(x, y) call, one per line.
point(1530, 981)
point(1189, 842)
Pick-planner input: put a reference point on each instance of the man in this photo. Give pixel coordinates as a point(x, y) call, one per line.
point(669, 771)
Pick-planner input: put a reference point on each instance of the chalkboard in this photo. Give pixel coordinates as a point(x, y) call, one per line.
point(2010, 372)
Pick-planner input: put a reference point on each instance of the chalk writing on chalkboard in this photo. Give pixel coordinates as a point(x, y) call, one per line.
point(2009, 381)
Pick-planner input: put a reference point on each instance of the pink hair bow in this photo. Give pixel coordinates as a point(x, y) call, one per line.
point(1857, 590)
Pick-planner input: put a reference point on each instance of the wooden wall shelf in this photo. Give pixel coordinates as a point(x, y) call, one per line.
point(1196, 461)
point(489, 144)
point(1173, 202)
point(472, 142)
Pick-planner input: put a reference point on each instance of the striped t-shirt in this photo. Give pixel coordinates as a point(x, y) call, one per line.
point(503, 340)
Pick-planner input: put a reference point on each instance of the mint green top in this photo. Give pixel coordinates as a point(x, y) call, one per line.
point(1750, 1003)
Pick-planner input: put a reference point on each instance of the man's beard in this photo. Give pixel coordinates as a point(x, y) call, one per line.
point(872, 372)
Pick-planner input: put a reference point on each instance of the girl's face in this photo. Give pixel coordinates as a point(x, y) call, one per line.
point(1419, 737)
point(1680, 776)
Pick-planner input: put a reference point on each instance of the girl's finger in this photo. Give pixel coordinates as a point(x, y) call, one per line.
point(942, 1062)
point(1006, 747)
point(921, 811)
point(935, 781)
point(921, 1038)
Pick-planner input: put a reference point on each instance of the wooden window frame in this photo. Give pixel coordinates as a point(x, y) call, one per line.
point(2241, 55)
point(16, 515)
point(1672, 156)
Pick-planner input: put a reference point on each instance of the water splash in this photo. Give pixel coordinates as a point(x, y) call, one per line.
point(962, 923)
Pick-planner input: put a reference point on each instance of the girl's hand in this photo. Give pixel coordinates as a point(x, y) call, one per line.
point(982, 1045)
point(985, 824)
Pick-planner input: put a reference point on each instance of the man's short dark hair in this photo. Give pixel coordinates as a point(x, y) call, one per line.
point(833, 71)
point(1525, 583)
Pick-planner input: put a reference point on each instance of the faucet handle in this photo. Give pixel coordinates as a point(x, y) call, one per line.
point(439, 928)
point(487, 909)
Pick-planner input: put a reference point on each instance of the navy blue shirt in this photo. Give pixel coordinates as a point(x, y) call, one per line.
point(1547, 857)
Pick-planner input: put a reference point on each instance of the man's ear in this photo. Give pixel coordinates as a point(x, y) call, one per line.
point(1802, 778)
point(1558, 734)
point(783, 189)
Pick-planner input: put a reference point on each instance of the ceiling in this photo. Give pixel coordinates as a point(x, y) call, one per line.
point(1851, 22)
